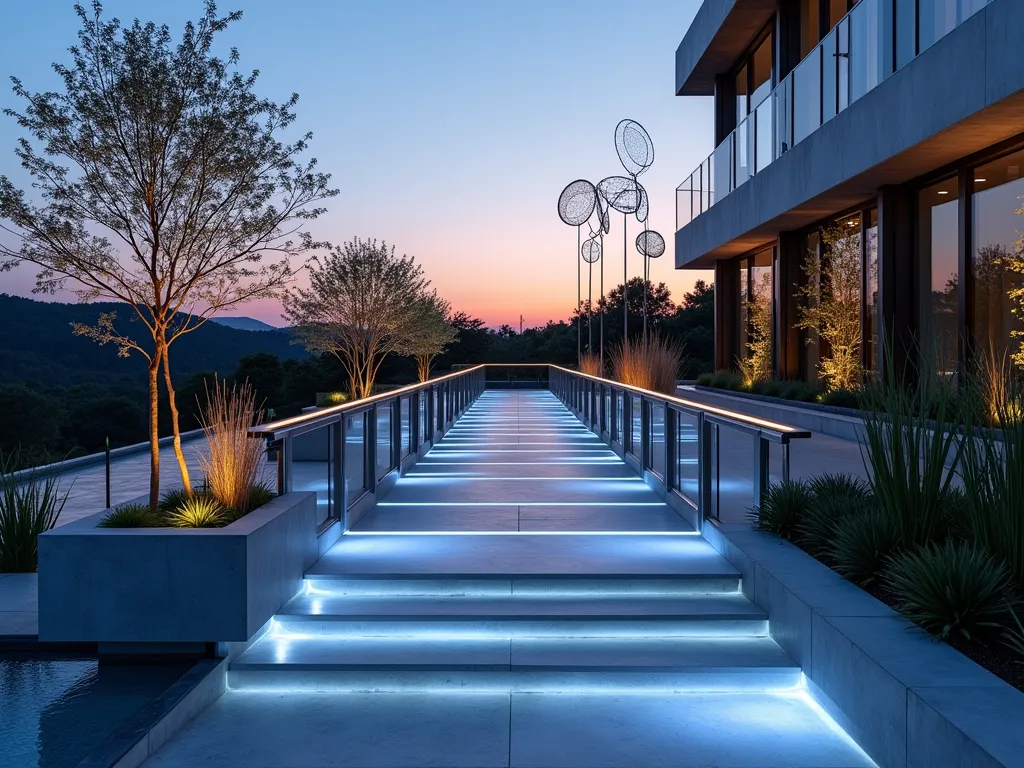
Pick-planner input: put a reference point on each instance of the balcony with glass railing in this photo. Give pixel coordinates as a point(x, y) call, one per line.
point(850, 61)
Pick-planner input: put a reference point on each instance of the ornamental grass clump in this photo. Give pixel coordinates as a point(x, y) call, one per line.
point(653, 364)
point(834, 497)
point(591, 365)
point(29, 506)
point(232, 460)
point(199, 510)
point(131, 516)
point(953, 590)
point(783, 508)
point(863, 545)
point(911, 456)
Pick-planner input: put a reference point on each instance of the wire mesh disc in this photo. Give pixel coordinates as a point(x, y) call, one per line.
point(650, 244)
point(634, 147)
point(621, 193)
point(591, 250)
point(644, 209)
point(603, 215)
point(576, 203)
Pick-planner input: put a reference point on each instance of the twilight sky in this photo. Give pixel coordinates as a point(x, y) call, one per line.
point(450, 126)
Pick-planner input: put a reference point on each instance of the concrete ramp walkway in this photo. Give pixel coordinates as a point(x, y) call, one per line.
point(518, 599)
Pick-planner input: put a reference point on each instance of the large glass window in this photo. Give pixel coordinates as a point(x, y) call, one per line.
point(995, 265)
point(871, 288)
point(810, 25)
point(836, 10)
point(756, 315)
point(938, 217)
point(761, 72)
point(866, 48)
point(741, 95)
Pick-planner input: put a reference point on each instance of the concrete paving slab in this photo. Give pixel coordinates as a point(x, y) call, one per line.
point(244, 729)
point(412, 518)
point(746, 730)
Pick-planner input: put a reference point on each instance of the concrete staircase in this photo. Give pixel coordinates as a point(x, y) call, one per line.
point(536, 627)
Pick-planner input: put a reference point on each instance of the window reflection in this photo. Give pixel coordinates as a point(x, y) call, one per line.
point(937, 234)
point(999, 187)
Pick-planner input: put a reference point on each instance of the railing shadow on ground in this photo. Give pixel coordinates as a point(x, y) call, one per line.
point(703, 460)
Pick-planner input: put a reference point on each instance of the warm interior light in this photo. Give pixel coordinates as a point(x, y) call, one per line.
point(943, 192)
point(980, 180)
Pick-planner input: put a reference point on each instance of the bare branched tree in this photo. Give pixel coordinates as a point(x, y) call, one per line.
point(160, 181)
point(362, 305)
point(432, 332)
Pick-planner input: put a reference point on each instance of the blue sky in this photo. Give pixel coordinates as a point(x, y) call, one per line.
point(449, 126)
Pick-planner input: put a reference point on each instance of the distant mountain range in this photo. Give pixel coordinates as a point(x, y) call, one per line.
point(38, 347)
point(245, 324)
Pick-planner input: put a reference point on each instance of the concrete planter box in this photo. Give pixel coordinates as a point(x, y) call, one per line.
point(172, 585)
point(907, 700)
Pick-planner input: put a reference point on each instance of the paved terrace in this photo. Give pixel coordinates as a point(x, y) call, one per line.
point(517, 599)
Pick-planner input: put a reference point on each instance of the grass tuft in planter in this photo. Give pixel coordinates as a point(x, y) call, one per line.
point(862, 546)
point(198, 511)
point(131, 516)
point(29, 506)
point(953, 590)
point(783, 508)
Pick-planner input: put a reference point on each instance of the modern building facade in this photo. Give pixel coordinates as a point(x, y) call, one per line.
point(871, 150)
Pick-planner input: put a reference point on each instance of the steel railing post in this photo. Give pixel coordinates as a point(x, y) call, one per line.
point(762, 464)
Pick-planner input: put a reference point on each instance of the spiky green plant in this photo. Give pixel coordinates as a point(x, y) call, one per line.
point(1013, 638)
point(816, 533)
point(173, 499)
point(198, 511)
point(910, 456)
point(783, 508)
point(992, 468)
point(131, 516)
point(862, 546)
point(952, 590)
point(29, 506)
point(830, 485)
point(259, 495)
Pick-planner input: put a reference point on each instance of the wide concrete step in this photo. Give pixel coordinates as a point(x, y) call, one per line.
point(536, 586)
point(278, 661)
point(710, 615)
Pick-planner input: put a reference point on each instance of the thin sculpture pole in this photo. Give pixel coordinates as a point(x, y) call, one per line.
point(579, 302)
point(602, 305)
point(625, 283)
point(590, 308)
point(647, 272)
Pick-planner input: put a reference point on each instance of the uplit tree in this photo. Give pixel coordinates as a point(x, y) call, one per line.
point(362, 305)
point(830, 305)
point(431, 332)
point(159, 180)
point(756, 364)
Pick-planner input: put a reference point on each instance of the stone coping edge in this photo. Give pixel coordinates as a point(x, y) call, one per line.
point(138, 739)
point(904, 698)
point(79, 462)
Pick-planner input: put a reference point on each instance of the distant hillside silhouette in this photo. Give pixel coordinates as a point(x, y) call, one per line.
point(244, 323)
point(38, 347)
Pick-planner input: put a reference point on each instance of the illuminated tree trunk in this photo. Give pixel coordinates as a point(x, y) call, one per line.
point(175, 424)
point(154, 432)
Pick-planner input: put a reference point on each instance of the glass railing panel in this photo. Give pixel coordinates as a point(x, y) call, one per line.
point(866, 49)
point(732, 477)
point(843, 64)
point(406, 428)
point(743, 156)
point(635, 430)
point(686, 479)
point(311, 464)
point(607, 421)
point(355, 456)
point(657, 462)
point(423, 418)
point(384, 456)
point(764, 129)
point(782, 110)
point(829, 75)
point(722, 168)
point(618, 418)
point(807, 96)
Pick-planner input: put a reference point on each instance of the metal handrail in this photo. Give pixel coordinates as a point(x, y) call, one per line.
point(404, 423)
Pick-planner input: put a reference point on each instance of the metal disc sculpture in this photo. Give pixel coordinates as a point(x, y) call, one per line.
point(634, 147)
point(576, 205)
point(650, 245)
point(590, 253)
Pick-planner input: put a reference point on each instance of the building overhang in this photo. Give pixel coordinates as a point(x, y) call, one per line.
point(961, 96)
point(719, 34)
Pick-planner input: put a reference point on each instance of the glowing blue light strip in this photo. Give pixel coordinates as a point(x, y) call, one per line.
point(521, 533)
point(489, 478)
point(521, 504)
